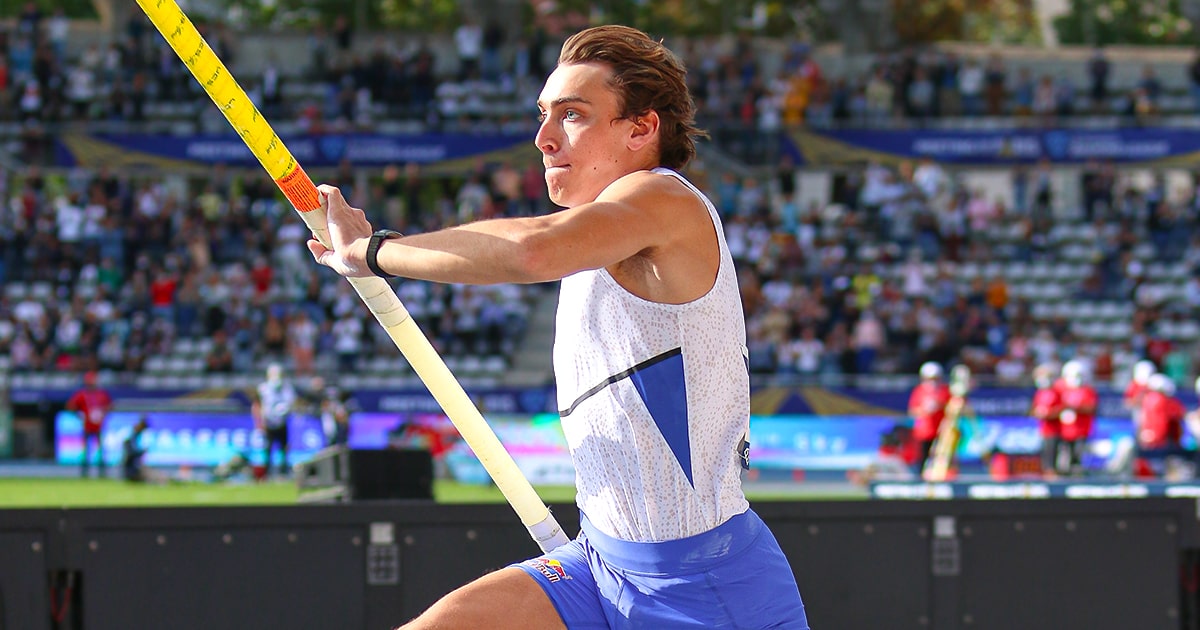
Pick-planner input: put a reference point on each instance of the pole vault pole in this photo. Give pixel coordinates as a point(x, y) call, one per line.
point(262, 141)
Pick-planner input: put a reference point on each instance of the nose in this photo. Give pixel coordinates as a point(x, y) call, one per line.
point(547, 138)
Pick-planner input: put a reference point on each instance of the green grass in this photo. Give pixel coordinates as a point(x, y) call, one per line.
point(55, 493)
point(52, 493)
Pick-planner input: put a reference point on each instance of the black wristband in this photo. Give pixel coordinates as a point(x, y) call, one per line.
point(377, 239)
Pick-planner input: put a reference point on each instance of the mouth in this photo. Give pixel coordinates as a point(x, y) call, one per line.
point(550, 167)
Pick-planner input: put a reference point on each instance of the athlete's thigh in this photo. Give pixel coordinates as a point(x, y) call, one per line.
point(508, 598)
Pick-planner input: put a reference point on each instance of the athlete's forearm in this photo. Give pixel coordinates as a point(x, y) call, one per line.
point(486, 252)
point(523, 250)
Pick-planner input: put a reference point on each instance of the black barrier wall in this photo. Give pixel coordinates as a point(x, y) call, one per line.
point(1059, 565)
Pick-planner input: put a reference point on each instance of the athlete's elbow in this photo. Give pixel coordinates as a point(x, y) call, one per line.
point(535, 260)
point(530, 265)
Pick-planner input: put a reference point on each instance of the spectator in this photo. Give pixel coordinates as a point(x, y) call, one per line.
point(869, 339)
point(1045, 100)
point(946, 77)
point(1098, 71)
point(921, 95)
point(1024, 93)
point(219, 358)
point(995, 81)
point(1150, 84)
point(971, 81)
point(1194, 81)
point(468, 42)
point(347, 340)
point(302, 335)
point(879, 97)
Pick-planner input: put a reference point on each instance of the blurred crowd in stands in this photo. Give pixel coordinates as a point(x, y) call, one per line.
point(102, 269)
point(353, 80)
point(877, 281)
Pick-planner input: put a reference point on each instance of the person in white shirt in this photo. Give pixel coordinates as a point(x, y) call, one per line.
point(272, 408)
point(650, 359)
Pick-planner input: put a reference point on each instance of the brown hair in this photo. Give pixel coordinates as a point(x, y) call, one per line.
point(646, 76)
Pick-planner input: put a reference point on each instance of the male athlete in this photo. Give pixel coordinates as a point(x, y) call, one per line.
point(1046, 407)
point(1160, 434)
point(271, 409)
point(650, 359)
point(1077, 414)
point(927, 406)
point(1136, 391)
point(92, 403)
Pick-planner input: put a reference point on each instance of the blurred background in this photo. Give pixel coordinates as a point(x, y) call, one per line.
point(998, 183)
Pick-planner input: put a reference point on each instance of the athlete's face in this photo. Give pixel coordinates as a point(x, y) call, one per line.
point(583, 141)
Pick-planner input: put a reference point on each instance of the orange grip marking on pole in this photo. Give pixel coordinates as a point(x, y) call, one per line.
point(299, 190)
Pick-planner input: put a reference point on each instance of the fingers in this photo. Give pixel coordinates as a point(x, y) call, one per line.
point(330, 195)
point(317, 250)
point(336, 207)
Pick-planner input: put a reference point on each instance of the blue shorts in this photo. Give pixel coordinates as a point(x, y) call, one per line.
point(733, 576)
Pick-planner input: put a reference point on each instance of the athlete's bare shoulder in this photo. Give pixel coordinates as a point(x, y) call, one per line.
point(653, 192)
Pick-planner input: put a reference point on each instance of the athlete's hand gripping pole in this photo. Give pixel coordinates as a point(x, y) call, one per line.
point(262, 141)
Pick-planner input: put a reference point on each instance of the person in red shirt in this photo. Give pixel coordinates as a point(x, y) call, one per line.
point(1079, 401)
point(927, 406)
point(92, 404)
point(1142, 371)
point(1161, 432)
point(1046, 405)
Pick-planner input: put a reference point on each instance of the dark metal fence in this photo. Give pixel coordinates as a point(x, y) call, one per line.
point(1059, 564)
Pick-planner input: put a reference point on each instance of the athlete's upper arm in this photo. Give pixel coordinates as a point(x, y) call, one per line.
point(635, 215)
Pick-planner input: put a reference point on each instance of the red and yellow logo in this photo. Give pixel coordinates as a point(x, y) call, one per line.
point(549, 567)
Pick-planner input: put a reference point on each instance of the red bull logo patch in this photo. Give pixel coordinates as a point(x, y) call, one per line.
point(549, 567)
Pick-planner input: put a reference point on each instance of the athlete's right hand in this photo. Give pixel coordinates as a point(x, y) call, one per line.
point(349, 233)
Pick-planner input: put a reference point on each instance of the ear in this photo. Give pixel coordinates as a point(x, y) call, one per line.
point(644, 131)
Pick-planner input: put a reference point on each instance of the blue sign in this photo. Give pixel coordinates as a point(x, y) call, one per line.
point(361, 149)
point(1033, 490)
point(850, 401)
point(490, 400)
point(185, 439)
point(823, 443)
point(1001, 146)
point(815, 442)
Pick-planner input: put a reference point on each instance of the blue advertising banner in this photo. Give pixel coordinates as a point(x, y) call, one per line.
point(313, 151)
point(765, 401)
point(781, 443)
point(998, 146)
point(185, 439)
point(815, 442)
point(1034, 490)
point(834, 401)
point(792, 442)
point(206, 440)
point(504, 400)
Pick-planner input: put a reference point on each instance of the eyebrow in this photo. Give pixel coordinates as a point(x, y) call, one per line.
point(565, 99)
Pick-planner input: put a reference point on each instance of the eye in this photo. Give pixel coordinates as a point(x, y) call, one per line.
point(571, 115)
point(541, 117)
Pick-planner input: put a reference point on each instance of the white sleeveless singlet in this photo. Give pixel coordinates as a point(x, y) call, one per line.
point(655, 402)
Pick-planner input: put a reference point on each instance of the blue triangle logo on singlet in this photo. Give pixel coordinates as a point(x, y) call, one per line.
point(664, 393)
